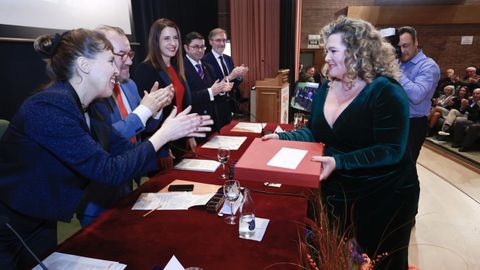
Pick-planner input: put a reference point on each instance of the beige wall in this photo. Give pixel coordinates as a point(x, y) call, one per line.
point(441, 42)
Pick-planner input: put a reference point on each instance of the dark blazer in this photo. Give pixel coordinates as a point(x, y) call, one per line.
point(145, 76)
point(48, 155)
point(225, 108)
point(201, 102)
point(210, 59)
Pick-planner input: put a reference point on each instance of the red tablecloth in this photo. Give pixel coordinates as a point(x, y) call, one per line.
point(196, 237)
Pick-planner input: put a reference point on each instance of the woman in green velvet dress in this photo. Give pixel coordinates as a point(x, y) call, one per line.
point(368, 180)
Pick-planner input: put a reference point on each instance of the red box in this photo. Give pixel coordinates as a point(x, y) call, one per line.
point(252, 166)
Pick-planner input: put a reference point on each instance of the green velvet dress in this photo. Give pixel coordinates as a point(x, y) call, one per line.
point(374, 188)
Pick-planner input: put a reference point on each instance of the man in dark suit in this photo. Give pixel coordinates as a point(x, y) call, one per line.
point(225, 69)
point(205, 90)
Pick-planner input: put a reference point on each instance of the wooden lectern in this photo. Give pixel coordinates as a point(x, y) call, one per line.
point(272, 98)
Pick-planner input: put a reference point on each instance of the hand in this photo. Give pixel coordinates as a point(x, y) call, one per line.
point(238, 72)
point(179, 126)
point(328, 165)
point(157, 98)
point(228, 87)
point(217, 87)
point(272, 136)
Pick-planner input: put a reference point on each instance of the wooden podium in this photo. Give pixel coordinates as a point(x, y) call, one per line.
point(272, 98)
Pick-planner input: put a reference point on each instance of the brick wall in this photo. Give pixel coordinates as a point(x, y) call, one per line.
point(441, 42)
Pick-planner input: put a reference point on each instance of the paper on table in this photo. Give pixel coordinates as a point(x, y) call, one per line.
point(202, 165)
point(63, 261)
point(288, 158)
point(261, 225)
point(249, 127)
point(230, 142)
point(170, 200)
point(226, 206)
point(174, 264)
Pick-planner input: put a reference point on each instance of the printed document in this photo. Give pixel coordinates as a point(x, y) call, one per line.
point(201, 165)
point(63, 261)
point(249, 127)
point(288, 158)
point(170, 200)
point(230, 142)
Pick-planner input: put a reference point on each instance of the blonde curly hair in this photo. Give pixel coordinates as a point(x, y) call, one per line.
point(368, 55)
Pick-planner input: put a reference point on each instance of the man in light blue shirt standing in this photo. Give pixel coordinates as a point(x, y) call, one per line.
point(419, 78)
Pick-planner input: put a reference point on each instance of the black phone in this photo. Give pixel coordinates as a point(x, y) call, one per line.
point(188, 187)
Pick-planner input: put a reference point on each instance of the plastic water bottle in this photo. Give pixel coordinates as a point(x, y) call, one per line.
point(246, 227)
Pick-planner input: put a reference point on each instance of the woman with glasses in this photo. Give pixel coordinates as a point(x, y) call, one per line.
point(164, 64)
point(55, 144)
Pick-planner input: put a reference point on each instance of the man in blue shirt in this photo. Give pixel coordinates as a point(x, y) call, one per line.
point(419, 78)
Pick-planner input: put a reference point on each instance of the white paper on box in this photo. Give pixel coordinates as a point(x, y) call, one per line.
point(287, 158)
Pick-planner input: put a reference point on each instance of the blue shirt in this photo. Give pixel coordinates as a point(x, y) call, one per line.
point(419, 78)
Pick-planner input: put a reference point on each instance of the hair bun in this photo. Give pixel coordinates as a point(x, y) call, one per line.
point(47, 45)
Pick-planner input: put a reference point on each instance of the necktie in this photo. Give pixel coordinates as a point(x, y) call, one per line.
point(200, 70)
point(224, 68)
point(121, 106)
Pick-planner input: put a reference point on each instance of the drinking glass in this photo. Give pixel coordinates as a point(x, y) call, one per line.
point(231, 192)
point(223, 154)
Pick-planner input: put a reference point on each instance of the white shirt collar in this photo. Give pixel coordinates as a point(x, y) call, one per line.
point(193, 61)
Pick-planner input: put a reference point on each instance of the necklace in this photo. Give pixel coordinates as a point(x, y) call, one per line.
point(345, 91)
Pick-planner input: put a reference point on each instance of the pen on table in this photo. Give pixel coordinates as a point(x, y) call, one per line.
point(148, 213)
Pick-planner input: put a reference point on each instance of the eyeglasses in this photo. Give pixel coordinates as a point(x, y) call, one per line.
point(220, 40)
point(196, 47)
point(124, 55)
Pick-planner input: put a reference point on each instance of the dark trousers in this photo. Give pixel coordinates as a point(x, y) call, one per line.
point(416, 136)
point(39, 235)
point(466, 132)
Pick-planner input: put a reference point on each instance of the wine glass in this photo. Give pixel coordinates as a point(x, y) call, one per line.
point(223, 154)
point(231, 192)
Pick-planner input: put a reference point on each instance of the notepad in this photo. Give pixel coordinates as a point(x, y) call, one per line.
point(201, 165)
point(230, 142)
point(248, 127)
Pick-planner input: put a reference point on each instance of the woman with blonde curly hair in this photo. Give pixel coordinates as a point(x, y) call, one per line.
point(368, 180)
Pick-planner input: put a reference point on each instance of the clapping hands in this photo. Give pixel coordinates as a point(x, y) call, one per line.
point(158, 98)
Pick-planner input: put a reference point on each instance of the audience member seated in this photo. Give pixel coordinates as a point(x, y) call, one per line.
point(442, 105)
point(471, 79)
point(466, 130)
point(459, 111)
point(450, 79)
